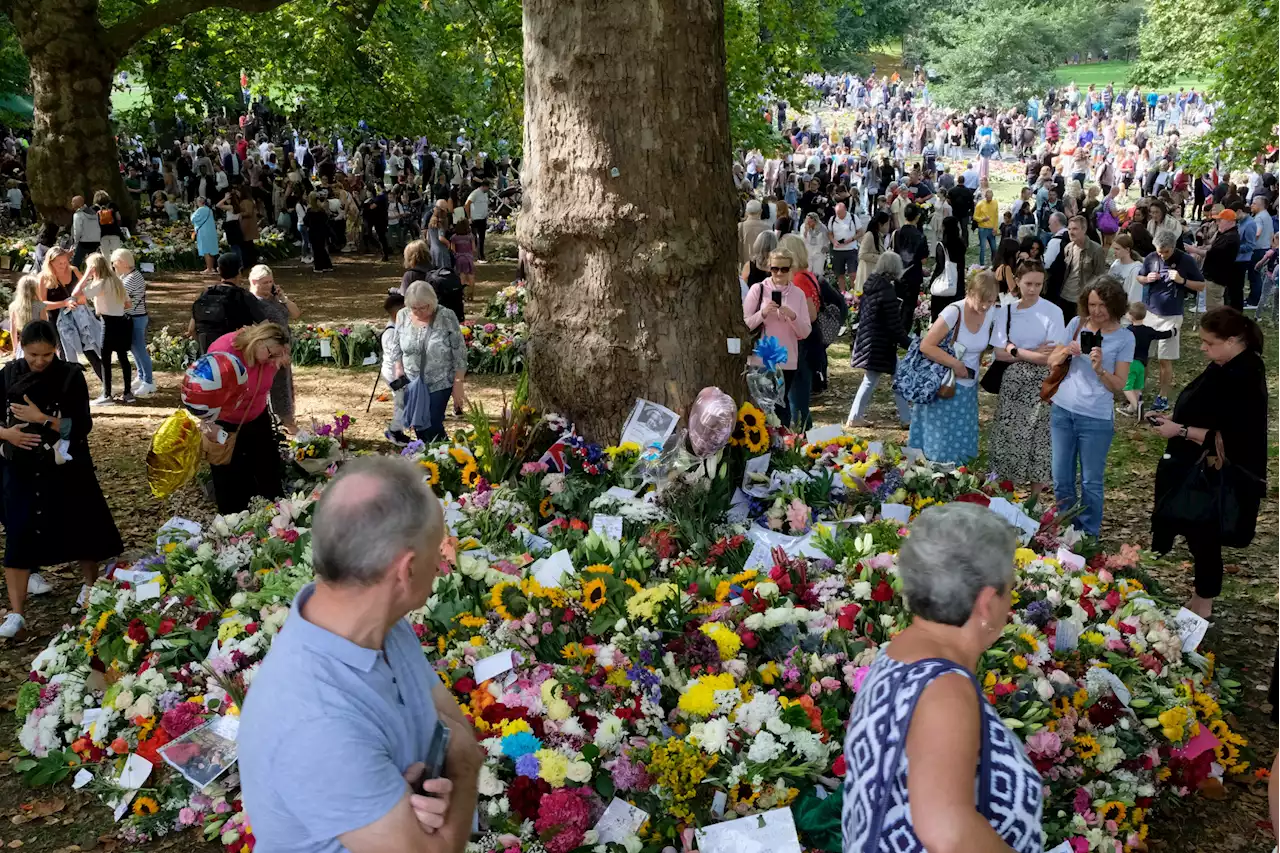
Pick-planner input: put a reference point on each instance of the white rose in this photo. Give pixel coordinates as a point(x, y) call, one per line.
point(767, 589)
point(579, 771)
point(1044, 689)
point(489, 785)
point(862, 590)
point(123, 700)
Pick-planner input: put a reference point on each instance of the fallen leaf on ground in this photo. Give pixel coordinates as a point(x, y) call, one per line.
point(1231, 569)
point(1212, 789)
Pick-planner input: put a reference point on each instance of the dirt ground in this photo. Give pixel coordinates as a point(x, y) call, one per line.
point(1244, 633)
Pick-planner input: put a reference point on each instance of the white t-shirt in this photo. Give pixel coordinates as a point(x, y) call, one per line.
point(1030, 327)
point(103, 302)
point(479, 200)
point(843, 231)
point(1128, 275)
point(974, 343)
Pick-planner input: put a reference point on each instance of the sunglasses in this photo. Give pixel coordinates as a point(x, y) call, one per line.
point(779, 269)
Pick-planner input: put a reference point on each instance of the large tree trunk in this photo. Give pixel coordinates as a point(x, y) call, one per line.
point(73, 148)
point(629, 212)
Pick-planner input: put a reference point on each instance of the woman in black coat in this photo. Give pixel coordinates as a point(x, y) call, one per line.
point(1228, 401)
point(878, 336)
point(949, 248)
point(52, 507)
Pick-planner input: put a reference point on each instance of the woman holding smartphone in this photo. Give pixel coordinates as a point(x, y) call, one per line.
point(1082, 422)
point(782, 308)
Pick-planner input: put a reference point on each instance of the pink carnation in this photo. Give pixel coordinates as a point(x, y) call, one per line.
point(563, 819)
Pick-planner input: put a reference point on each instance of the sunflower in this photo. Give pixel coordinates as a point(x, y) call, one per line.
point(468, 620)
point(461, 455)
point(496, 602)
point(145, 806)
point(813, 451)
point(593, 595)
point(1114, 810)
point(751, 416)
point(756, 439)
point(1087, 747)
point(600, 569)
point(545, 507)
point(433, 471)
point(634, 584)
point(470, 475)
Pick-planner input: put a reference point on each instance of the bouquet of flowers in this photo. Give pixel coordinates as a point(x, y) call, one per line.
point(508, 304)
point(322, 445)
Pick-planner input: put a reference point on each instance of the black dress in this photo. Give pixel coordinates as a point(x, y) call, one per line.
point(52, 513)
point(1229, 399)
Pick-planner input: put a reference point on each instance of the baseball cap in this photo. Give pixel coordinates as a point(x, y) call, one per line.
point(1228, 214)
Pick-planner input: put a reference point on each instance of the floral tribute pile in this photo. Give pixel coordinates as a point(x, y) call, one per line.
point(699, 666)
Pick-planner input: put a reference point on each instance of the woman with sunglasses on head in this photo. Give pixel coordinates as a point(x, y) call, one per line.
point(44, 463)
point(783, 310)
point(254, 467)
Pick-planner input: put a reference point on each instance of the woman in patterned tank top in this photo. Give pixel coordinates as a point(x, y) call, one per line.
point(920, 706)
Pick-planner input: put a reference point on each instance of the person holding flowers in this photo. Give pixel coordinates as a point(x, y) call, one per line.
point(783, 310)
point(971, 785)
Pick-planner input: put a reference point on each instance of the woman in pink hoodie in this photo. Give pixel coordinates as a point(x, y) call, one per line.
point(780, 306)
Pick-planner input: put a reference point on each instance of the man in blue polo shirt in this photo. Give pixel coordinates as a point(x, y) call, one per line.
point(1168, 274)
point(342, 712)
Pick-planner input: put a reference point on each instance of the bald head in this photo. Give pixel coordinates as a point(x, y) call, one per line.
point(372, 513)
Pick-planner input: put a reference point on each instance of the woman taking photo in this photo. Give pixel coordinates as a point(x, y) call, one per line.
point(873, 244)
point(876, 342)
point(282, 311)
point(921, 707)
point(946, 430)
point(1024, 336)
point(254, 467)
point(52, 507)
point(1083, 418)
point(1228, 400)
point(783, 310)
point(427, 348)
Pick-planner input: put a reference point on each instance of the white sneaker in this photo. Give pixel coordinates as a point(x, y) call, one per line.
point(104, 400)
point(83, 598)
point(146, 389)
point(13, 625)
point(37, 585)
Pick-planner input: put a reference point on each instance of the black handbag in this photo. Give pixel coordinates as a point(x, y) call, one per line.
point(995, 372)
point(1206, 492)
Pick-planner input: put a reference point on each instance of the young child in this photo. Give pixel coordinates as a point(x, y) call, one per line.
point(1008, 230)
point(395, 433)
point(1143, 335)
point(1270, 267)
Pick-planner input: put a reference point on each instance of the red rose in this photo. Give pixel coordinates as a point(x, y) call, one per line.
point(524, 795)
point(1126, 628)
point(138, 632)
point(1087, 606)
point(1113, 599)
point(848, 614)
point(578, 524)
point(974, 498)
point(883, 592)
point(839, 768)
point(749, 639)
point(203, 621)
point(166, 625)
point(1006, 485)
point(464, 685)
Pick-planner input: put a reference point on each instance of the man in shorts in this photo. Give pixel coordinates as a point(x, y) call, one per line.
point(1169, 273)
point(844, 235)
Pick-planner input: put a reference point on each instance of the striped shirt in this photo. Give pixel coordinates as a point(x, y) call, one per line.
point(136, 286)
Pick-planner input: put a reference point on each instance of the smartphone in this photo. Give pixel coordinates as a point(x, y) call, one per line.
point(1154, 420)
point(436, 752)
point(776, 296)
point(1089, 341)
point(397, 384)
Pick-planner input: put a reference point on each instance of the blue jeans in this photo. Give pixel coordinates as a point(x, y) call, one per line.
point(1085, 440)
point(861, 400)
point(986, 236)
point(800, 390)
point(139, 348)
point(439, 402)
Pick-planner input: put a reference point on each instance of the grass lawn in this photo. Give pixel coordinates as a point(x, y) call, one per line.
point(1115, 71)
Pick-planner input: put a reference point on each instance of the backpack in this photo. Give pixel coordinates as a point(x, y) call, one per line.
point(106, 216)
point(212, 314)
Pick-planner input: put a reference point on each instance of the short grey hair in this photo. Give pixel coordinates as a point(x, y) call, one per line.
point(377, 508)
point(1165, 239)
point(890, 264)
point(953, 552)
point(753, 207)
point(762, 248)
point(1059, 218)
point(421, 294)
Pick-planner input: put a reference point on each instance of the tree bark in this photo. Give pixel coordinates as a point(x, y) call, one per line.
point(73, 148)
point(629, 215)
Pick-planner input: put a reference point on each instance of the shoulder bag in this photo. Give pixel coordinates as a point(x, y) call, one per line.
point(1057, 373)
point(946, 283)
point(995, 373)
point(919, 379)
point(1206, 492)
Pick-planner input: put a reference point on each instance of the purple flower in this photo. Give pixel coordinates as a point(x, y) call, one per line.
point(527, 765)
point(628, 776)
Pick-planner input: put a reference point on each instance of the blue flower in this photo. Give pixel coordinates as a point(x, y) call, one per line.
point(771, 352)
point(527, 765)
point(520, 744)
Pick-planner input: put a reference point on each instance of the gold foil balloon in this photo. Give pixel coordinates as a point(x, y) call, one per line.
point(174, 456)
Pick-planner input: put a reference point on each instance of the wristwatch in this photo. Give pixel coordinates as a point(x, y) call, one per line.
point(1182, 432)
point(1013, 351)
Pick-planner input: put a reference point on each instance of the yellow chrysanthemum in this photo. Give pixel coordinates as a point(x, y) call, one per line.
point(699, 697)
point(432, 469)
point(726, 640)
point(593, 595)
point(599, 569)
point(461, 455)
point(1019, 661)
point(468, 620)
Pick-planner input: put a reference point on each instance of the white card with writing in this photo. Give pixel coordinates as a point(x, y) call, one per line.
point(549, 570)
point(824, 434)
point(769, 832)
point(620, 493)
point(718, 803)
point(754, 479)
point(608, 526)
point(1191, 628)
point(226, 726)
point(147, 266)
point(761, 557)
point(734, 345)
point(84, 777)
point(1116, 685)
point(620, 821)
point(739, 508)
point(913, 454)
point(1073, 561)
point(90, 717)
point(147, 591)
point(493, 666)
point(134, 775)
point(1067, 636)
point(531, 540)
point(326, 348)
point(896, 512)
